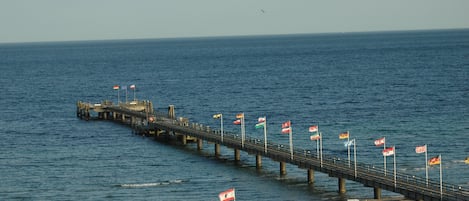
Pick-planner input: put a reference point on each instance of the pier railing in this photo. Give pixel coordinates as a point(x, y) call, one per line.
point(410, 186)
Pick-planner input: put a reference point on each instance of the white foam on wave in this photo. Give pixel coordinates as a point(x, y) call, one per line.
point(142, 185)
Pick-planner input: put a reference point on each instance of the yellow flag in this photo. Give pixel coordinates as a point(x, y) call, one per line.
point(216, 116)
point(240, 115)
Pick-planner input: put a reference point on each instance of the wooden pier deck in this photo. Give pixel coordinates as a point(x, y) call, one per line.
point(144, 120)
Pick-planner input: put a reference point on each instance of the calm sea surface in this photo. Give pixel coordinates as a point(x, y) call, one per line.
point(411, 87)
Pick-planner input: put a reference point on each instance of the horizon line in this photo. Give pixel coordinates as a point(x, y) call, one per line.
point(225, 36)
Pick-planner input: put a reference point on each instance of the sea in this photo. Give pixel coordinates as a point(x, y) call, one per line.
point(411, 87)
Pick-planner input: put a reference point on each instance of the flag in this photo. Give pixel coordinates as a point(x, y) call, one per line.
point(315, 137)
point(132, 86)
point(216, 116)
point(388, 151)
point(344, 135)
point(313, 129)
point(237, 122)
point(240, 115)
point(116, 87)
point(434, 161)
point(261, 119)
point(124, 87)
point(227, 195)
point(421, 149)
point(286, 130)
point(286, 124)
point(260, 125)
point(380, 141)
point(349, 143)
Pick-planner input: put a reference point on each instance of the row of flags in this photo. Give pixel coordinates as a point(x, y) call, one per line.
point(286, 128)
point(419, 150)
point(124, 87)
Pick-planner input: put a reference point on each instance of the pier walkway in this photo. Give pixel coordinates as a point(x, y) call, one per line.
point(143, 119)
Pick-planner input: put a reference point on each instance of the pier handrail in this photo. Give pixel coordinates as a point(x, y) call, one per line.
point(303, 158)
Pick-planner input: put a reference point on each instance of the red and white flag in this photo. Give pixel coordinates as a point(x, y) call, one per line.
point(388, 151)
point(132, 86)
point(380, 141)
point(286, 130)
point(313, 129)
point(237, 122)
point(421, 149)
point(115, 87)
point(227, 195)
point(286, 124)
point(261, 119)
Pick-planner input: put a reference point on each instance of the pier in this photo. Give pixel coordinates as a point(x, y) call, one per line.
point(143, 119)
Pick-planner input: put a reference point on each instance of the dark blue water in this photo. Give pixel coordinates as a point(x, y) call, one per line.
point(411, 87)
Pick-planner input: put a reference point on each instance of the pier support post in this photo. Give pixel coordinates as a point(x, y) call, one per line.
point(377, 193)
point(105, 115)
point(199, 144)
point(114, 115)
point(341, 185)
point(258, 161)
point(310, 176)
point(283, 168)
point(217, 150)
point(237, 155)
point(184, 139)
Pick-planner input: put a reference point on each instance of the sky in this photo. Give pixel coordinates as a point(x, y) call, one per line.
point(72, 20)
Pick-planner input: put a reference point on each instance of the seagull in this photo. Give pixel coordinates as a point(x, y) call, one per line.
point(262, 10)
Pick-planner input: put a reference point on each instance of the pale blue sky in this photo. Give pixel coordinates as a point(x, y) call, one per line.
point(64, 20)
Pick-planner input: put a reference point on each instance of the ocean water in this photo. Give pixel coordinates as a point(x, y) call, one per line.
point(411, 87)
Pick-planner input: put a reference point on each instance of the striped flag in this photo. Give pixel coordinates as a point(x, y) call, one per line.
point(380, 141)
point(434, 161)
point(260, 125)
point(132, 86)
point(421, 149)
point(315, 137)
point(116, 87)
point(344, 135)
point(388, 151)
point(286, 130)
point(286, 124)
point(216, 116)
point(237, 122)
point(313, 129)
point(286, 127)
point(261, 119)
point(227, 195)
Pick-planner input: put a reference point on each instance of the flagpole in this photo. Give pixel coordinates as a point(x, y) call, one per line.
point(348, 147)
point(125, 93)
point(384, 148)
point(221, 126)
point(135, 89)
point(441, 179)
point(426, 164)
point(317, 142)
point(291, 142)
point(355, 155)
point(395, 177)
point(320, 146)
point(242, 131)
point(118, 96)
point(265, 134)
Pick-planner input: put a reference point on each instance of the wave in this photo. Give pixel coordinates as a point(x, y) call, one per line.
point(152, 184)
